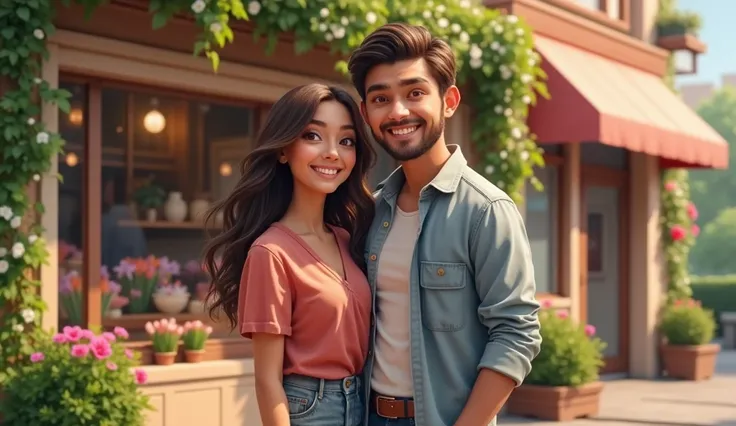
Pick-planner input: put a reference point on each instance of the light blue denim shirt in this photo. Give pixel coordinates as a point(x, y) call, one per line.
point(471, 292)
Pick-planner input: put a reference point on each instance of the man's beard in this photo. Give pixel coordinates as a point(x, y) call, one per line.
point(404, 152)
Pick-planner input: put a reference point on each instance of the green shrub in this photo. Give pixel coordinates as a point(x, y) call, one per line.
point(717, 293)
point(76, 378)
point(571, 355)
point(686, 322)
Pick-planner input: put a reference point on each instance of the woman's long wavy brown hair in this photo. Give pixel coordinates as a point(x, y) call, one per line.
point(264, 191)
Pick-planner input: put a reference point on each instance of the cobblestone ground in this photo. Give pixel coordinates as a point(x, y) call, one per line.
point(663, 402)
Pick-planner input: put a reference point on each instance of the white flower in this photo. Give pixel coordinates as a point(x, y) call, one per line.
point(371, 17)
point(18, 328)
point(516, 133)
point(498, 29)
point(427, 14)
point(28, 315)
point(502, 50)
point(329, 36)
point(4, 266)
point(489, 169)
point(465, 3)
point(15, 222)
point(464, 37)
point(18, 250)
point(215, 27)
point(526, 78)
point(37, 80)
point(476, 11)
point(31, 121)
point(498, 109)
point(500, 184)
point(32, 238)
point(344, 21)
point(441, 8)
point(39, 34)
point(505, 73)
point(520, 32)
point(532, 62)
point(6, 212)
point(325, 12)
point(42, 138)
point(475, 51)
point(36, 177)
point(503, 154)
point(198, 6)
point(512, 19)
point(322, 27)
point(495, 45)
point(339, 32)
point(508, 112)
point(526, 99)
point(524, 155)
point(475, 63)
point(3, 251)
point(443, 22)
point(253, 8)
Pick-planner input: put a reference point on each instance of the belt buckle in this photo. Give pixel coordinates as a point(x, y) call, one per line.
point(385, 398)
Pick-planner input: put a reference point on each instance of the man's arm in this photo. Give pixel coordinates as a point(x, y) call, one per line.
point(504, 279)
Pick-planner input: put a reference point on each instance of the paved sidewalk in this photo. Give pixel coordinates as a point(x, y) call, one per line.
point(662, 402)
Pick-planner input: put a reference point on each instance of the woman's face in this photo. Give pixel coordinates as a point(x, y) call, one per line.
point(324, 155)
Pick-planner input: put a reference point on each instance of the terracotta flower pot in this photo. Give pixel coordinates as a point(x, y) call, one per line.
point(557, 403)
point(690, 362)
point(164, 358)
point(194, 355)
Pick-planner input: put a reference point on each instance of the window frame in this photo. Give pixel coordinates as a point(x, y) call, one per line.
point(227, 347)
point(557, 162)
point(601, 15)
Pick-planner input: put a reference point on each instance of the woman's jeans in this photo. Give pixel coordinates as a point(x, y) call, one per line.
point(320, 402)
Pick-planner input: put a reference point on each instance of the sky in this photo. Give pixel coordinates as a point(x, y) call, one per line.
point(719, 34)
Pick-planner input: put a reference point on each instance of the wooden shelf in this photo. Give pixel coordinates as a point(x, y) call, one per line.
point(161, 224)
point(138, 321)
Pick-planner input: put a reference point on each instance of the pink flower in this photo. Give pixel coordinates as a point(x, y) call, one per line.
point(100, 347)
point(129, 353)
point(111, 366)
point(670, 186)
point(546, 304)
point(562, 314)
point(695, 230)
point(109, 336)
point(677, 233)
point(141, 377)
point(37, 357)
point(73, 334)
point(80, 351)
point(135, 293)
point(59, 338)
point(88, 334)
point(121, 332)
point(692, 212)
point(590, 330)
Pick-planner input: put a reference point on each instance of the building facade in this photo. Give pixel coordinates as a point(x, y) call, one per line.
point(144, 110)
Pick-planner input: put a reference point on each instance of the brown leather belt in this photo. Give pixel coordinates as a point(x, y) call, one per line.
point(392, 408)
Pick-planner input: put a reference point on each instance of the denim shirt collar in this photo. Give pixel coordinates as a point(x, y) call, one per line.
point(445, 181)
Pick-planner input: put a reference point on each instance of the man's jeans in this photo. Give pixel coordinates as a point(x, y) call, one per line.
point(376, 420)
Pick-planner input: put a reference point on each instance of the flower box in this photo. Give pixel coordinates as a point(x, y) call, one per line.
point(557, 403)
point(690, 362)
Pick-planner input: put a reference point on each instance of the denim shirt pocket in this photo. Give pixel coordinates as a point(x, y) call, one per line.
point(442, 295)
point(302, 401)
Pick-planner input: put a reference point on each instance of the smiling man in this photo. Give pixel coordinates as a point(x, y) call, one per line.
point(449, 263)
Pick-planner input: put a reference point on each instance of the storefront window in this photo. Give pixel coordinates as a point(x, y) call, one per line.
point(542, 229)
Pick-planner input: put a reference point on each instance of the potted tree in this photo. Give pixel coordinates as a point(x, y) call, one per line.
point(150, 197)
point(688, 329)
point(564, 382)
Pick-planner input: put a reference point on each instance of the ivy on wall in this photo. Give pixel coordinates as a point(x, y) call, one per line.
point(494, 51)
point(678, 213)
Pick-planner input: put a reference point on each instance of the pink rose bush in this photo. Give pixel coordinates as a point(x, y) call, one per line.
point(76, 377)
point(571, 353)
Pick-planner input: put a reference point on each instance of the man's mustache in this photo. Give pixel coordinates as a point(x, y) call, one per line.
point(405, 122)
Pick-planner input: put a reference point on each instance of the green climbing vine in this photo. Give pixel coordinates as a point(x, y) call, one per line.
point(495, 54)
point(678, 213)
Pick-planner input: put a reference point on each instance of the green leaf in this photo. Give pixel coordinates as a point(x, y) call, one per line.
point(23, 13)
point(159, 20)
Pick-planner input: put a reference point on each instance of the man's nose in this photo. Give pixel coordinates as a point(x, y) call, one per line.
point(399, 111)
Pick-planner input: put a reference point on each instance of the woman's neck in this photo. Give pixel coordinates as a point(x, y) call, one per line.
point(305, 214)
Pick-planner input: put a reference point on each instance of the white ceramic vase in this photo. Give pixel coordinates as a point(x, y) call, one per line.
point(175, 208)
point(151, 215)
point(198, 210)
point(171, 303)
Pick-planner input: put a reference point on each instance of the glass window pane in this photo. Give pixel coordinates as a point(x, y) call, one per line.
point(614, 9)
point(590, 4)
point(541, 225)
point(71, 217)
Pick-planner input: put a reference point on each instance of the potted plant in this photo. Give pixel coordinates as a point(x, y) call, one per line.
point(194, 338)
point(165, 336)
point(150, 197)
point(688, 329)
point(73, 375)
point(678, 23)
point(564, 383)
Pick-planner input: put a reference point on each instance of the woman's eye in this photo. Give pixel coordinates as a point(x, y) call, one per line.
point(348, 142)
point(311, 136)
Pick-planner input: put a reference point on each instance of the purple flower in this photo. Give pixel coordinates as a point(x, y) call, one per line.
point(168, 267)
point(113, 287)
point(104, 273)
point(65, 282)
point(193, 267)
point(124, 270)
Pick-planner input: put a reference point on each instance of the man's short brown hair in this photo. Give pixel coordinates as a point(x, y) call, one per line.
point(397, 42)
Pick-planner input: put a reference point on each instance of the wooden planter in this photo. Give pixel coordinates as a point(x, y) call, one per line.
point(690, 362)
point(557, 403)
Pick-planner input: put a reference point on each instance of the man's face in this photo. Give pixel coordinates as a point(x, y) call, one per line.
point(404, 108)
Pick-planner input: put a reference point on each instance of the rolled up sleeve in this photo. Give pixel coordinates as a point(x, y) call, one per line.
point(504, 279)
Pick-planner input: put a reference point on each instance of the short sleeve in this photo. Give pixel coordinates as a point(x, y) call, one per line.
point(264, 301)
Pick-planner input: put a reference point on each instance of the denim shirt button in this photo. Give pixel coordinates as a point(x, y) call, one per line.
point(385, 224)
point(441, 272)
point(373, 257)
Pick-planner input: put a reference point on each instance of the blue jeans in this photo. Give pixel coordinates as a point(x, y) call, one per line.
point(376, 420)
point(320, 402)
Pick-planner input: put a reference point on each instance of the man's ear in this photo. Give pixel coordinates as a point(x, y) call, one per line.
point(452, 101)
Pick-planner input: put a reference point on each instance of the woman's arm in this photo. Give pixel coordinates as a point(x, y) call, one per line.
point(268, 357)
